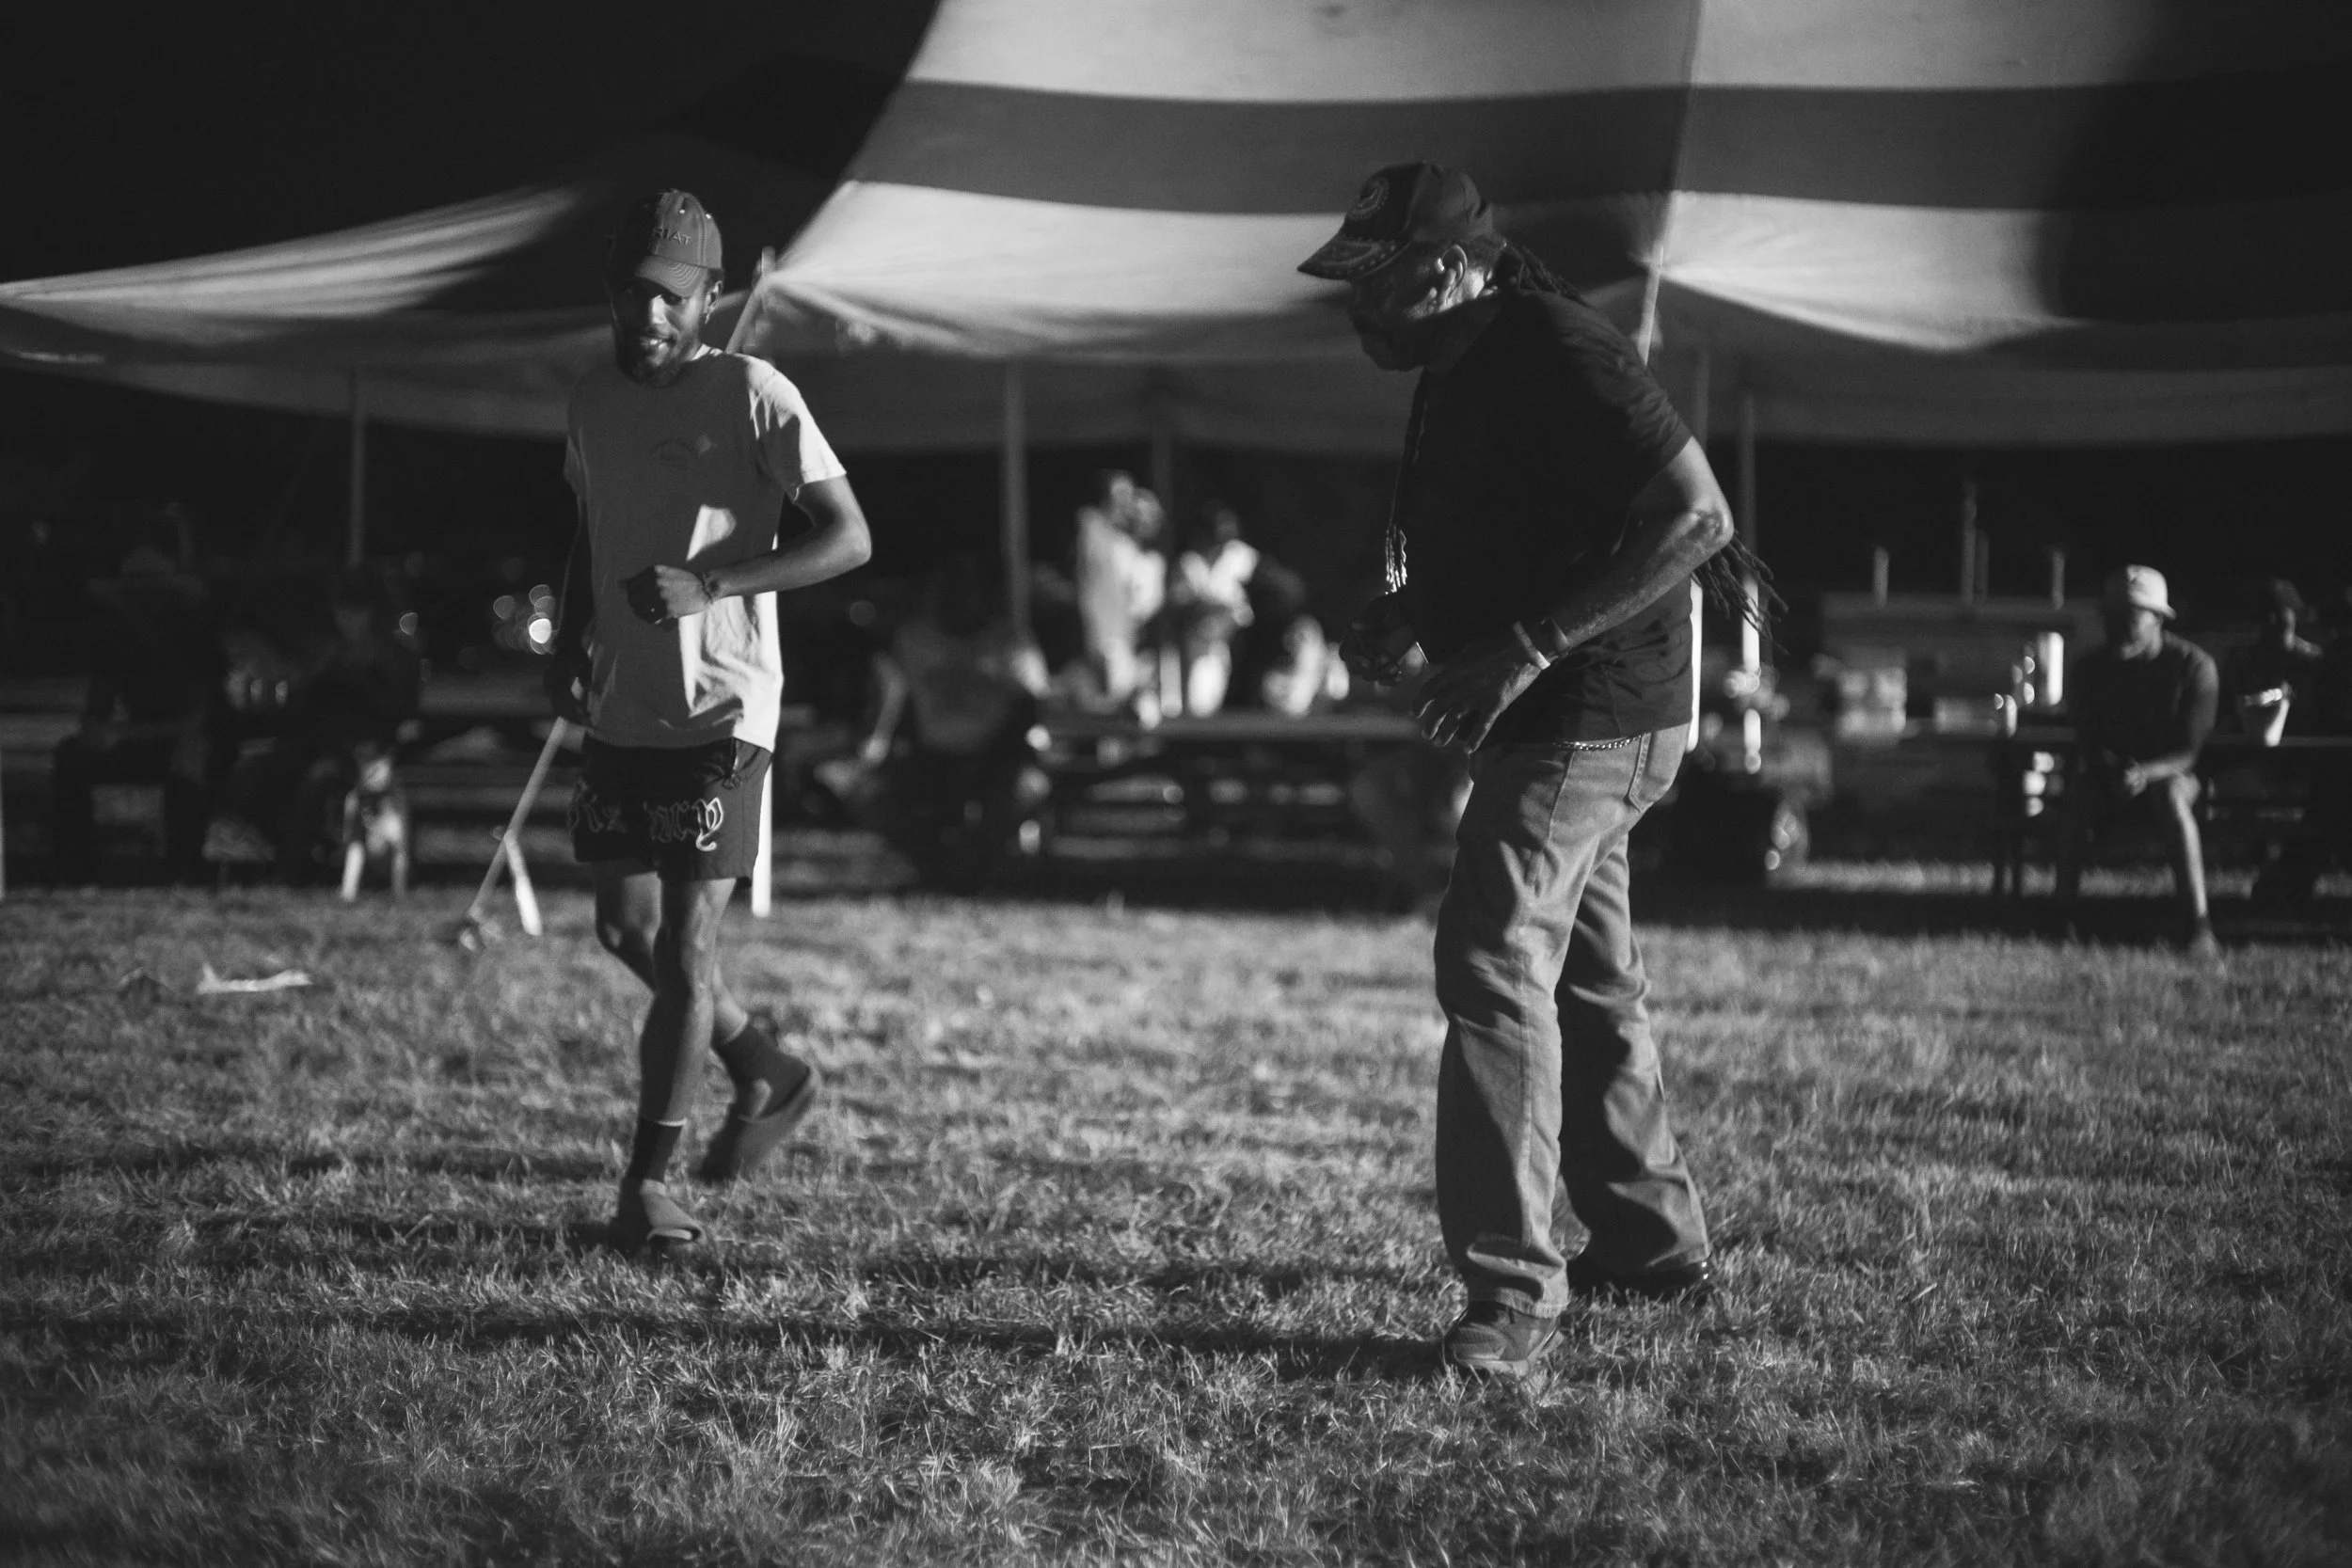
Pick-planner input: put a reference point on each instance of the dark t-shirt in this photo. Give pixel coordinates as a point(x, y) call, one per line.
point(2145, 708)
point(1518, 482)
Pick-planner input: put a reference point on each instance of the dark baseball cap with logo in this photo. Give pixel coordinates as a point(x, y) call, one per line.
point(667, 238)
point(1402, 205)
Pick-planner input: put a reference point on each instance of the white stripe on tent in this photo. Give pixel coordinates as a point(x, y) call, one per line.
point(1946, 45)
point(1317, 51)
point(357, 272)
point(1307, 50)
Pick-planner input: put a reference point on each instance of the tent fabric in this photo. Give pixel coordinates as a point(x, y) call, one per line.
point(1961, 221)
point(1917, 221)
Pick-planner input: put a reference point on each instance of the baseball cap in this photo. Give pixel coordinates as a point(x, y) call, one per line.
point(2139, 588)
point(2281, 594)
point(1401, 205)
point(667, 238)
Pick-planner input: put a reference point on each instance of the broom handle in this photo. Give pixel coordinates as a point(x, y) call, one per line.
point(515, 823)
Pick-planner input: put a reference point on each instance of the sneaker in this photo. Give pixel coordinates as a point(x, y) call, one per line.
point(767, 1105)
point(649, 1220)
point(1691, 1282)
point(1499, 1341)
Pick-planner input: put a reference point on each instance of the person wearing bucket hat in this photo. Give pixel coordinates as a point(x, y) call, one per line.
point(2143, 706)
point(683, 458)
point(1551, 514)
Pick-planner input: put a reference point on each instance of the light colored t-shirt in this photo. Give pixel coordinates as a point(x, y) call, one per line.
point(695, 474)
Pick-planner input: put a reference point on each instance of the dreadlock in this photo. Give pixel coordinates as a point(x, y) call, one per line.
point(1723, 576)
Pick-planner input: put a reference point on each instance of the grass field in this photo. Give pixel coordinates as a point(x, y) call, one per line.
point(1115, 1239)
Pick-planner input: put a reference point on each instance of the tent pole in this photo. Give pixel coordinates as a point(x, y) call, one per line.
point(356, 517)
point(1015, 500)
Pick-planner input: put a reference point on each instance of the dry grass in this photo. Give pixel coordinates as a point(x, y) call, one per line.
point(1115, 1239)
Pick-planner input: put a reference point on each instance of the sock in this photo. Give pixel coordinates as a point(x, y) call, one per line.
point(650, 1153)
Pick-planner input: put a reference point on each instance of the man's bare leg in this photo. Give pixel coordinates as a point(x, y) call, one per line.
point(2179, 808)
point(628, 919)
point(685, 965)
point(773, 1088)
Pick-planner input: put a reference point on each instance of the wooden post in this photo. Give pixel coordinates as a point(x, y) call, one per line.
point(356, 520)
point(1014, 496)
point(1968, 541)
point(1751, 592)
point(764, 861)
point(1879, 562)
point(2058, 576)
point(1168, 658)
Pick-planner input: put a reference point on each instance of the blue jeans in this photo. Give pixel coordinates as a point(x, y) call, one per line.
point(1550, 1074)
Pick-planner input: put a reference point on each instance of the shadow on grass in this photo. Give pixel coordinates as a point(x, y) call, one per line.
point(486, 1163)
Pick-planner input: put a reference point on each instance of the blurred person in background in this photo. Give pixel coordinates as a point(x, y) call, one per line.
point(1121, 582)
point(156, 674)
point(2323, 833)
point(1209, 600)
point(2266, 679)
point(2143, 706)
point(683, 458)
point(949, 772)
point(347, 710)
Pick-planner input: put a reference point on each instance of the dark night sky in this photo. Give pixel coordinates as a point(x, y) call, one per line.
point(174, 131)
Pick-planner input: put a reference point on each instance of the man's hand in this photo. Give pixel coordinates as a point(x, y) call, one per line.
point(2132, 780)
point(663, 593)
point(1461, 699)
point(567, 681)
point(1378, 641)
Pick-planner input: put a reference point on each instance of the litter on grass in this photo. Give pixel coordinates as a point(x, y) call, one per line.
point(285, 979)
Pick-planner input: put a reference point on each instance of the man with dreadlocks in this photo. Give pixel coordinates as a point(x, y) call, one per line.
point(1549, 520)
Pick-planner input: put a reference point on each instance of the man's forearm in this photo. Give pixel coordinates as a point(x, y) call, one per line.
point(2171, 765)
point(838, 543)
point(1657, 553)
point(817, 558)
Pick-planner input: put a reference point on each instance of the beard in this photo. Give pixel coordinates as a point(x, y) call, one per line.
point(649, 359)
point(1390, 345)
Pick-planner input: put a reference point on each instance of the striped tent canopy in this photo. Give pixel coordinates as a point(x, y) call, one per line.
point(1972, 222)
point(1975, 222)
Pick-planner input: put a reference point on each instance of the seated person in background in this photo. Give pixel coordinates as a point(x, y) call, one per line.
point(347, 711)
point(2143, 706)
point(2322, 835)
point(1209, 593)
point(155, 677)
point(948, 770)
point(2267, 677)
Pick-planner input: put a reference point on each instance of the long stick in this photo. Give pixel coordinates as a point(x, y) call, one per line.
point(515, 823)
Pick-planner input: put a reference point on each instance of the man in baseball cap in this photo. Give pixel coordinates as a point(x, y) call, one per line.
point(686, 460)
point(663, 275)
point(2143, 706)
point(1550, 511)
point(1401, 205)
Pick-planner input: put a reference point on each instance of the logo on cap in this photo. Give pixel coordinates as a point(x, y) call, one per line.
point(1370, 200)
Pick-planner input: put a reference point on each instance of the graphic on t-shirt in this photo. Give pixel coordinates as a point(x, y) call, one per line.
point(677, 450)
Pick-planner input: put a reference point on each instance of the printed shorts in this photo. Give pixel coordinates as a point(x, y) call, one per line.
point(692, 813)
